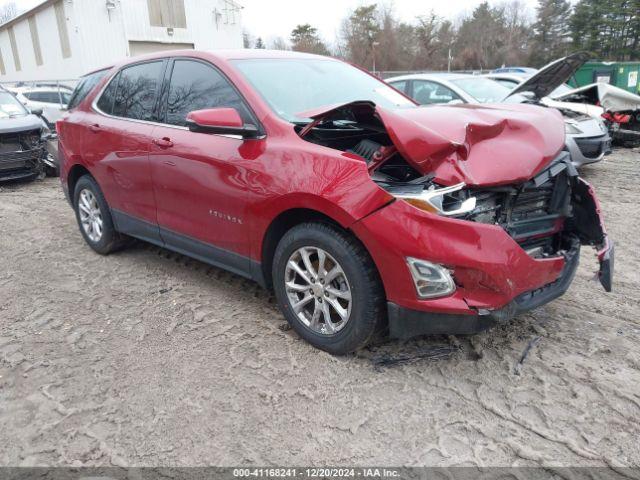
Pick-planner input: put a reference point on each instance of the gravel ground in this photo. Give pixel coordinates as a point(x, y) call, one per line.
point(146, 357)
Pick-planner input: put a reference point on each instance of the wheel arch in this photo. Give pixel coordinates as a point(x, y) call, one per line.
point(287, 220)
point(75, 172)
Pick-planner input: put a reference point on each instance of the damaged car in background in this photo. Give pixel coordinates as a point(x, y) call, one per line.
point(24, 139)
point(362, 211)
point(619, 108)
point(587, 140)
point(616, 107)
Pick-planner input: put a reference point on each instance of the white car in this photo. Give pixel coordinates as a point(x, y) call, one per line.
point(512, 80)
point(52, 100)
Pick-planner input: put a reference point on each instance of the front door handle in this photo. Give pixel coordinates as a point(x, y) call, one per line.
point(164, 142)
point(95, 128)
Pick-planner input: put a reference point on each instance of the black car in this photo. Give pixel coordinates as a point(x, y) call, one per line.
point(23, 142)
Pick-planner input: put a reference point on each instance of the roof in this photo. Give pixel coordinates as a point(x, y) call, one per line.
point(430, 76)
point(26, 14)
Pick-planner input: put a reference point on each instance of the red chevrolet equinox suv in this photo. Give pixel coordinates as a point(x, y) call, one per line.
point(364, 212)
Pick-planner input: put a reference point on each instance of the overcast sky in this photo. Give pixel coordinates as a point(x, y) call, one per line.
point(269, 19)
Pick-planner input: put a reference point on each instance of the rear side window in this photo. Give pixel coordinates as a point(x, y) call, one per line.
point(86, 84)
point(137, 91)
point(196, 86)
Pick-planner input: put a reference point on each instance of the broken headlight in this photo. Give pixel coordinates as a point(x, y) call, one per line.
point(431, 280)
point(444, 201)
point(571, 129)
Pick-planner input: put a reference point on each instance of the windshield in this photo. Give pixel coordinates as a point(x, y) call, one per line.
point(10, 106)
point(482, 89)
point(293, 86)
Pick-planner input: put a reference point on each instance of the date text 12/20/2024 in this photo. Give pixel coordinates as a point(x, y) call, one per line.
point(316, 473)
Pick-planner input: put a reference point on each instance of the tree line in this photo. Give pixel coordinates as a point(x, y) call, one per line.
point(490, 36)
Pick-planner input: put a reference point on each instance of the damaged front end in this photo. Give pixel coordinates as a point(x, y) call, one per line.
point(501, 169)
point(621, 109)
point(22, 155)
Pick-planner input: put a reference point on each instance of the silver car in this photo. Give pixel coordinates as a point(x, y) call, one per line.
point(587, 139)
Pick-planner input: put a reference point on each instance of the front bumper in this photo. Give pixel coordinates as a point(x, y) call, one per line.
point(20, 165)
point(406, 323)
point(586, 150)
point(495, 277)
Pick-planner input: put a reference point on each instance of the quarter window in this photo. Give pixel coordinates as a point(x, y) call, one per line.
point(105, 103)
point(196, 86)
point(83, 88)
point(137, 91)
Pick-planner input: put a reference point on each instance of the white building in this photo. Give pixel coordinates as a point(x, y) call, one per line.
point(64, 39)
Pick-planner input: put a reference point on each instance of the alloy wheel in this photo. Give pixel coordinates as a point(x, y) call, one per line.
point(318, 290)
point(90, 215)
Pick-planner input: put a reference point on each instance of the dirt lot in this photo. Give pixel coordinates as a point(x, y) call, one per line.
point(146, 357)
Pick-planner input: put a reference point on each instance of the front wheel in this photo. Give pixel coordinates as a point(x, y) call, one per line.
point(328, 287)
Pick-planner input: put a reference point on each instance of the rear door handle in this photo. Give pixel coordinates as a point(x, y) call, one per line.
point(95, 128)
point(164, 142)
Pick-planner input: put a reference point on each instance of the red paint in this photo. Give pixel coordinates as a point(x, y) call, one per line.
point(216, 117)
point(227, 191)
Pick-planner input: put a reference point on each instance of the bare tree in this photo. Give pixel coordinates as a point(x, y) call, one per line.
point(279, 43)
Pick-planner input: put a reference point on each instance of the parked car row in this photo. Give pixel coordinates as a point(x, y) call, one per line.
point(362, 210)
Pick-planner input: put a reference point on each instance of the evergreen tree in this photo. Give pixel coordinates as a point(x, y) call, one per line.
point(552, 32)
point(305, 38)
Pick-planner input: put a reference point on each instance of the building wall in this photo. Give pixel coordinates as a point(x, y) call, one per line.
point(99, 37)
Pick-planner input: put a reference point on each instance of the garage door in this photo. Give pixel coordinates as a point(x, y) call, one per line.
point(142, 48)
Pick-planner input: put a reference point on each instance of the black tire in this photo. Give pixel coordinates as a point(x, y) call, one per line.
point(51, 171)
point(367, 315)
point(110, 240)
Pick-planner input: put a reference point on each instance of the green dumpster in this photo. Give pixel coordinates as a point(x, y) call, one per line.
point(625, 75)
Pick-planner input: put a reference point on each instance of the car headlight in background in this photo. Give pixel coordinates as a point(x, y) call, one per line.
point(431, 280)
point(441, 200)
point(571, 129)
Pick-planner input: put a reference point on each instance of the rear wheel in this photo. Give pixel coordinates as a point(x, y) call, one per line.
point(328, 288)
point(94, 217)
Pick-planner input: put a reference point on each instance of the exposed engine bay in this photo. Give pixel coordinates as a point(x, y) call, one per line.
point(547, 214)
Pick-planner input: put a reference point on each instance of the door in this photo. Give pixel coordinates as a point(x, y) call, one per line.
point(200, 179)
point(116, 146)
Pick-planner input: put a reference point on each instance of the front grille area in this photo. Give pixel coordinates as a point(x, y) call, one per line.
point(21, 159)
point(592, 147)
point(20, 154)
point(532, 213)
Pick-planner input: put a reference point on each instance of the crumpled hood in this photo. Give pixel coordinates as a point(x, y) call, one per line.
point(609, 97)
point(20, 124)
point(480, 145)
point(551, 76)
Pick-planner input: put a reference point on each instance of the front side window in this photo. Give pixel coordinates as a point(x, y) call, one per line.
point(399, 85)
point(196, 86)
point(137, 91)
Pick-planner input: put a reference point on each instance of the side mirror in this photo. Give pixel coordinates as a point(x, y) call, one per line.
point(222, 121)
point(36, 111)
point(456, 101)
